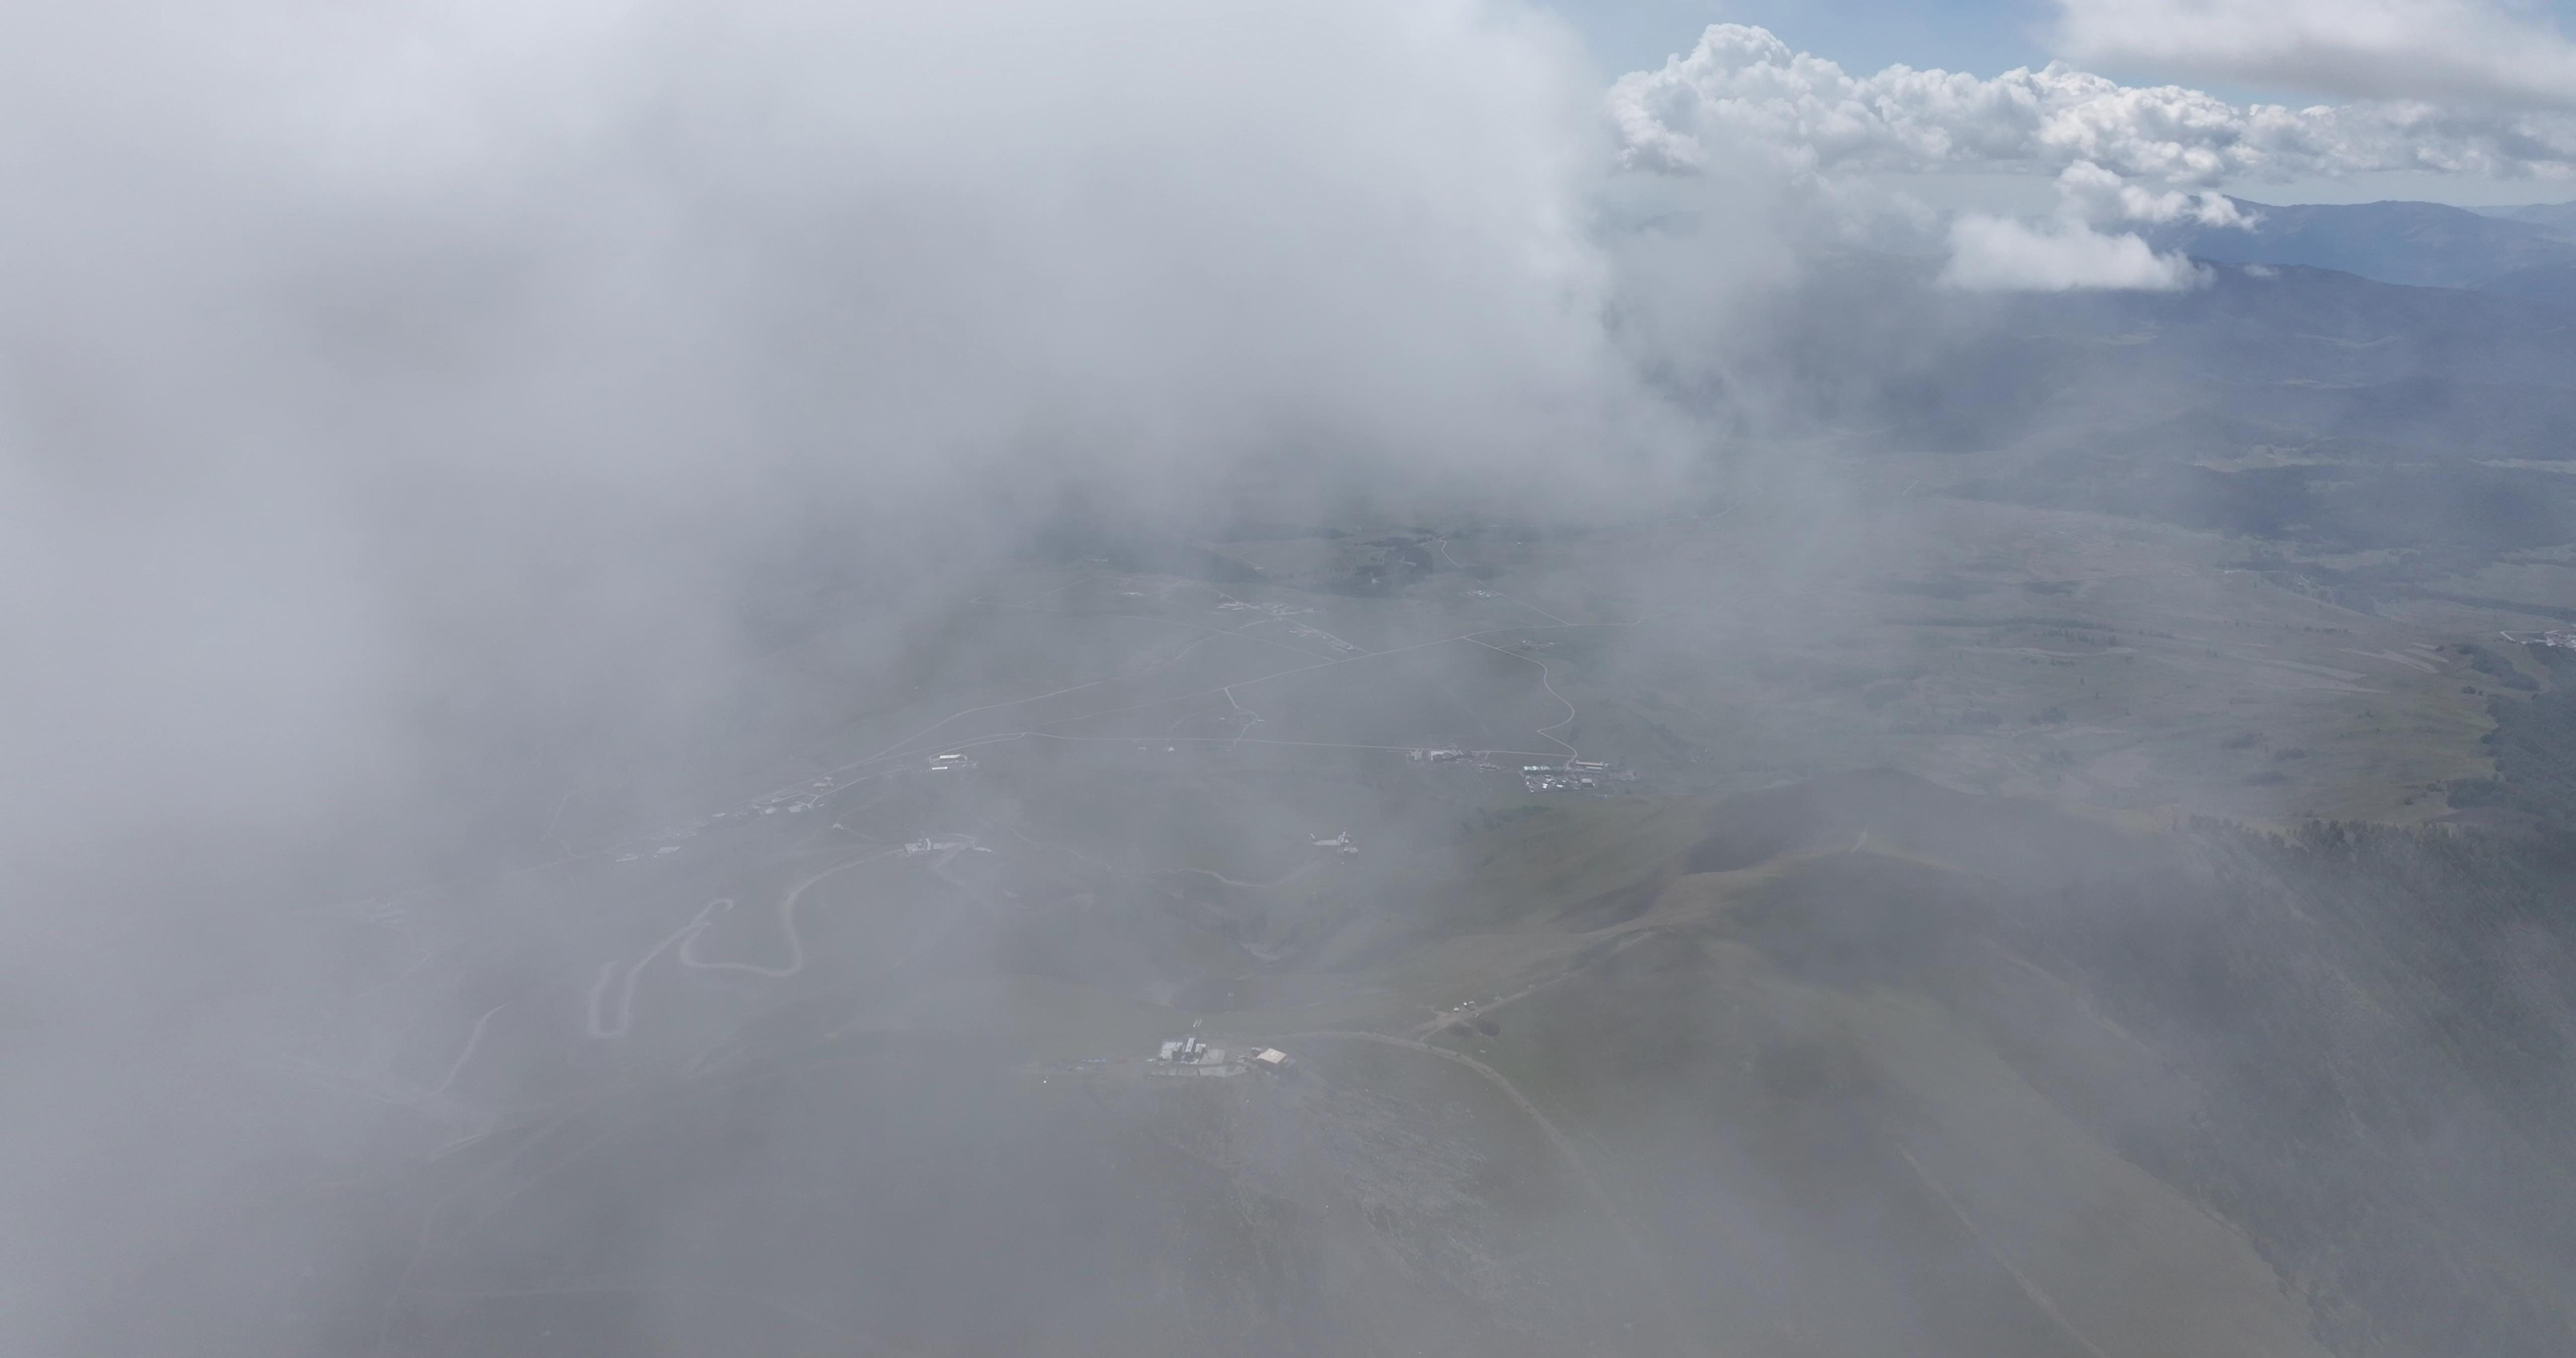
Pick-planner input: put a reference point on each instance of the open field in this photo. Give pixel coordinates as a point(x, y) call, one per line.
point(1610, 1084)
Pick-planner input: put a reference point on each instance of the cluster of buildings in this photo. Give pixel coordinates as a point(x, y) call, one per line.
point(1574, 775)
point(1273, 609)
point(1468, 758)
point(1190, 1054)
point(1189, 1050)
point(2566, 640)
point(1340, 844)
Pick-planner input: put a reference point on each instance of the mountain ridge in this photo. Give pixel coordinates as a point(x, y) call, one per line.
point(2395, 241)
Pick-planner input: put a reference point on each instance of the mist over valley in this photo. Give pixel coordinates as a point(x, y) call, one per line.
point(1154, 678)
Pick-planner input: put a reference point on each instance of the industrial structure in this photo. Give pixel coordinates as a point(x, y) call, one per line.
point(1189, 1054)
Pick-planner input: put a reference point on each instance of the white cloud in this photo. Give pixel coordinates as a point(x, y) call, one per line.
point(1999, 254)
point(1741, 89)
point(2097, 195)
point(1138, 247)
point(2070, 250)
point(409, 407)
point(2378, 49)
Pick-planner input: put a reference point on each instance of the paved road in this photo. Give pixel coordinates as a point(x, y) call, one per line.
point(686, 936)
point(1449, 1019)
point(786, 921)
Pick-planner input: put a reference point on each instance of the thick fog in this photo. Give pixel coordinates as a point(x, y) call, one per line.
point(333, 335)
point(434, 437)
point(413, 414)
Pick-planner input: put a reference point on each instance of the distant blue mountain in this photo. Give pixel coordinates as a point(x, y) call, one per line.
point(2556, 218)
point(2423, 244)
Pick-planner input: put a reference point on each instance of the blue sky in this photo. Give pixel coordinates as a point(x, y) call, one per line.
point(1860, 34)
point(1980, 36)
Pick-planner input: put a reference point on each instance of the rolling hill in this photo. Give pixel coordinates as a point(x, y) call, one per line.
point(1882, 1067)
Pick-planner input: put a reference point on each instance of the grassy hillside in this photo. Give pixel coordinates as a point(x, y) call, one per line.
point(1881, 1067)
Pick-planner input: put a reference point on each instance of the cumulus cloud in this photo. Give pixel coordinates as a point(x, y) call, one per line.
point(1741, 90)
point(2378, 49)
point(2071, 250)
point(2097, 195)
point(1998, 254)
